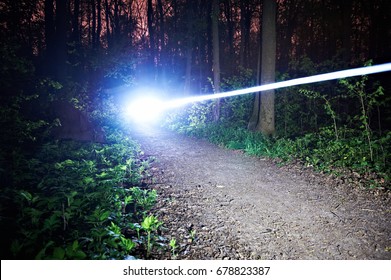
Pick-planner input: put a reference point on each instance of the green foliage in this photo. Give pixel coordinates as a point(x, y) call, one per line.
point(367, 100)
point(234, 111)
point(74, 200)
point(327, 106)
point(192, 117)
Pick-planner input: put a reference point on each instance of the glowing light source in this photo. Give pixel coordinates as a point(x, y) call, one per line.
point(147, 109)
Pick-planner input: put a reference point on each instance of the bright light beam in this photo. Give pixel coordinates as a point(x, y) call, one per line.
point(300, 81)
point(150, 109)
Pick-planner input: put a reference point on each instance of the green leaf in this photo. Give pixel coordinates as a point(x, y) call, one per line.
point(16, 247)
point(42, 252)
point(150, 223)
point(128, 199)
point(128, 244)
point(75, 245)
point(51, 222)
point(88, 180)
point(58, 253)
point(104, 215)
point(28, 196)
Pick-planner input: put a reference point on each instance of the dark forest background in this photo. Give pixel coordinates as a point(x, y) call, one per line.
point(105, 43)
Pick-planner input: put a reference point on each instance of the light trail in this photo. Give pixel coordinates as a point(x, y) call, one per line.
point(295, 82)
point(147, 109)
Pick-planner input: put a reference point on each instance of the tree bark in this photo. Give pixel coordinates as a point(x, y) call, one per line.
point(264, 102)
point(99, 24)
point(245, 26)
point(117, 27)
point(75, 23)
point(230, 67)
point(107, 18)
point(152, 44)
point(162, 47)
point(93, 14)
point(216, 55)
point(49, 35)
point(190, 9)
point(347, 30)
point(253, 122)
point(61, 39)
point(266, 122)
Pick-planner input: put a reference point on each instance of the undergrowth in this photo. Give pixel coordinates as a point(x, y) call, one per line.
point(79, 201)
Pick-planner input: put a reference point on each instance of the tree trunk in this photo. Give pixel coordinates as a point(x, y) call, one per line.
point(61, 39)
point(266, 122)
point(253, 122)
point(49, 35)
point(99, 24)
point(107, 18)
point(242, 32)
point(117, 28)
point(264, 101)
point(75, 23)
point(245, 26)
point(93, 12)
point(216, 55)
point(151, 32)
point(162, 47)
point(207, 40)
point(346, 12)
point(190, 9)
point(230, 67)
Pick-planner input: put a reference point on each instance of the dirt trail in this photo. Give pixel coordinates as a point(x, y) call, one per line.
point(222, 204)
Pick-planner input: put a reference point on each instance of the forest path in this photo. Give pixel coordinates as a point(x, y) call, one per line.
point(222, 204)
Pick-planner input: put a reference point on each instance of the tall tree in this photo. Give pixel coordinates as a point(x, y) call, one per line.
point(61, 39)
point(230, 27)
point(108, 16)
point(99, 24)
point(116, 21)
point(264, 105)
point(190, 9)
point(162, 46)
point(75, 21)
point(245, 26)
point(216, 54)
point(151, 31)
point(49, 35)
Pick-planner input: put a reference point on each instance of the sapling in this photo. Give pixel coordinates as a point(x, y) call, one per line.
point(192, 234)
point(150, 224)
point(173, 246)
